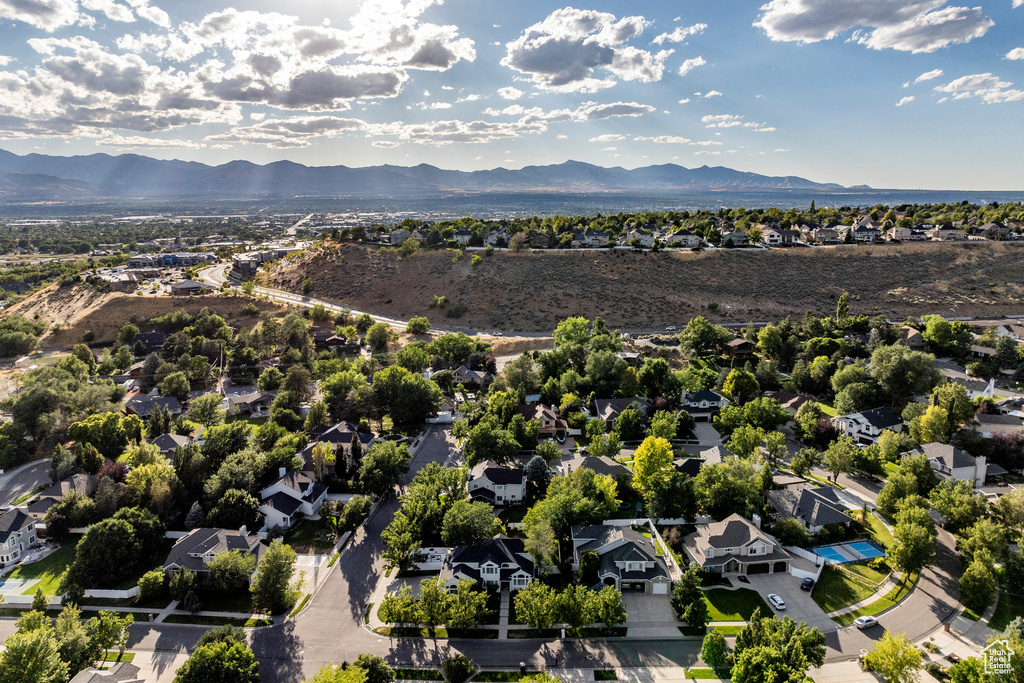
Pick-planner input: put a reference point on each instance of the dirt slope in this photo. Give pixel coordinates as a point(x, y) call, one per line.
point(531, 292)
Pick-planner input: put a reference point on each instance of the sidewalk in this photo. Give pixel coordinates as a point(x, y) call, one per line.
point(884, 590)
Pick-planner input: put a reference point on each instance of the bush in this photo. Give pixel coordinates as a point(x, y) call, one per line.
point(476, 260)
point(458, 669)
point(151, 585)
point(456, 311)
point(250, 309)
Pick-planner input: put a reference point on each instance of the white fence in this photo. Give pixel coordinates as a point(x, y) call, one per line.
point(112, 594)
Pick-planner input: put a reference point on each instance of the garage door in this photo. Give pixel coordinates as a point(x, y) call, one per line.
point(760, 568)
point(659, 588)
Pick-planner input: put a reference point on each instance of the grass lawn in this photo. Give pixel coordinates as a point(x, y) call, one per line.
point(48, 570)
point(890, 469)
point(1006, 611)
point(302, 603)
point(737, 605)
point(835, 590)
point(515, 514)
point(879, 533)
point(309, 534)
point(605, 675)
point(498, 676)
point(827, 409)
point(111, 656)
point(894, 596)
point(701, 674)
point(225, 601)
point(214, 621)
point(863, 570)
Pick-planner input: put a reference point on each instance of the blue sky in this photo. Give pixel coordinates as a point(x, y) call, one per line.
point(888, 93)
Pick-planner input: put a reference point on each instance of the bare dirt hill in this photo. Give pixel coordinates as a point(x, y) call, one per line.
point(531, 292)
point(73, 310)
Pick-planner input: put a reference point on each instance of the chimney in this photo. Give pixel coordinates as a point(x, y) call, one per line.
point(281, 471)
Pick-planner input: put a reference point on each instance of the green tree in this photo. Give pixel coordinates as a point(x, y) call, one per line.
point(108, 631)
point(902, 374)
point(839, 458)
point(230, 569)
point(352, 515)
point(219, 662)
point(728, 487)
point(206, 410)
point(700, 338)
point(270, 379)
point(535, 605)
point(401, 539)
point(914, 547)
point(745, 440)
point(271, 586)
point(895, 658)
point(978, 583)
point(466, 607)
point(382, 467)
point(959, 503)
point(32, 656)
point(651, 461)
point(741, 386)
point(607, 608)
point(433, 603)
point(713, 650)
point(375, 669)
point(378, 337)
point(467, 523)
point(177, 385)
point(73, 641)
point(408, 397)
point(418, 325)
point(399, 608)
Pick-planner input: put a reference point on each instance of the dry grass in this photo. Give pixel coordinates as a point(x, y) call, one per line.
point(81, 308)
point(533, 291)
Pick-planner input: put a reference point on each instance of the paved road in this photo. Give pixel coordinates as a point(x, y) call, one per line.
point(22, 480)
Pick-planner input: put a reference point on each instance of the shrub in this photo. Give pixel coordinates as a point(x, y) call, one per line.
point(476, 260)
point(250, 309)
point(456, 311)
point(458, 669)
point(151, 585)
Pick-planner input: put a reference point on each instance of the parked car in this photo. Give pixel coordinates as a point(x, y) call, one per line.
point(865, 622)
point(807, 584)
point(670, 328)
point(776, 601)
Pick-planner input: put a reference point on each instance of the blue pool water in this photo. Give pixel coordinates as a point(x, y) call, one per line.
point(830, 554)
point(849, 552)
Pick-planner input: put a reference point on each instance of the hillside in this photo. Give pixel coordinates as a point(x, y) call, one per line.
point(531, 292)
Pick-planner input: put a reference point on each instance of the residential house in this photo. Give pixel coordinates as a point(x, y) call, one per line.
point(790, 402)
point(195, 550)
point(497, 238)
point(865, 427)
point(628, 559)
point(608, 409)
point(897, 234)
point(703, 405)
point(735, 239)
point(595, 238)
point(775, 237)
point(983, 352)
point(499, 562)
point(83, 484)
point(17, 534)
point(866, 235)
point(989, 425)
point(119, 672)
point(645, 239)
point(253, 404)
point(152, 341)
point(825, 235)
point(570, 462)
point(736, 546)
point(462, 236)
point(341, 436)
point(497, 485)
point(143, 406)
point(169, 443)
point(399, 235)
point(813, 507)
point(686, 238)
point(189, 288)
point(551, 425)
point(913, 338)
point(949, 462)
point(290, 498)
point(463, 375)
point(540, 240)
point(740, 348)
point(991, 231)
point(947, 234)
point(709, 456)
point(976, 388)
point(1014, 332)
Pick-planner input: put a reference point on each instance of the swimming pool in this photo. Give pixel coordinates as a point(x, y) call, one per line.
point(843, 553)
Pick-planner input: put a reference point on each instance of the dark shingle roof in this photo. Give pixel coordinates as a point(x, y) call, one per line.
point(731, 532)
point(282, 502)
point(204, 540)
point(497, 474)
point(12, 521)
point(881, 418)
point(949, 455)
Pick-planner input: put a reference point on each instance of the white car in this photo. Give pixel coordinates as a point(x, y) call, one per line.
point(776, 601)
point(670, 328)
point(865, 622)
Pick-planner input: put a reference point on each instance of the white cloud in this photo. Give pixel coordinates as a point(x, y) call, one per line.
point(712, 93)
point(596, 112)
point(685, 100)
point(510, 93)
point(691, 64)
point(608, 137)
point(435, 105)
point(1018, 3)
point(680, 34)
point(110, 9)
point(1017, 52)
point(905, 25)
point(4, 60)
point(905, 100)
point(288, 133)
point(468, 98)
point(564, 51)
point(777, 149)
point(610, 149)
point(139, 142)
point(563, 137)
point(928, 76)
point(734, 121)
point(385, 144)
point(47, 15)
point(985, 86)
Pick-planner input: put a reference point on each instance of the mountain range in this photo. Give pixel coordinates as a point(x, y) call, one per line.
point(37, 177)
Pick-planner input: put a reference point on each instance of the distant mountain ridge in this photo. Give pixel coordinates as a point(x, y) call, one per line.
point(131, 176)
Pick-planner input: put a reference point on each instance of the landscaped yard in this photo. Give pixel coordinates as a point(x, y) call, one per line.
point(897, 594)
point(1008, 609)
point(879, 533)
point(308, 534)
point(863, 570)
point(48, 570)
point(827, 409)
point(737, 605)
point(836, 590)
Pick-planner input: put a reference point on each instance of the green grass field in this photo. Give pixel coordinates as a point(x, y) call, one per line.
point(879, 533)
point(737, 605)
point(901, 591)
point(1007, 610)
point(48, 570)
point(835, 590)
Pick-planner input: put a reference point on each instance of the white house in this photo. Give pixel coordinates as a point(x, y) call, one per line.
point(950, 462)
point(17, 534)
point(703, 405)
point(499, 562)
point(628, 559)
point(497, 485)
point(645, 239)
point(293, 496)
point(866, 427)
point(736, 546)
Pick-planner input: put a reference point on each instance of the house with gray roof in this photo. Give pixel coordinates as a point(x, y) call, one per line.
point(628, 559)
point(736, 546)
point(989, 425)
point(865, 427)
point(498, 562)
point(813, 507)
point(709, 456)
point(703, 405)
point(950, 462)
point(143, 406)
point(341, 436)
point(121, 672)
point(17, 534)
point(609, 409)
point(497, 485)
point(196, 550)
point(80, 483)
point(291, 497)
point(570, 462)
point(169, 443)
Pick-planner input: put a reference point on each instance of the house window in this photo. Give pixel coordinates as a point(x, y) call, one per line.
point(709, 553)
point(489, 569)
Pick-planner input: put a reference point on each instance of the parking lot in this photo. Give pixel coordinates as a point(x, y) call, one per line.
point(799, 605)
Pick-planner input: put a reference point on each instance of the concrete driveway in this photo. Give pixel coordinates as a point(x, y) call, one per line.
point(707, 434)
point(650, 616)
point(799, 605)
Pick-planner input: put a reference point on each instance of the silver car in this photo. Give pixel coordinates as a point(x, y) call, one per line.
point(865, 622)
point(776, 601)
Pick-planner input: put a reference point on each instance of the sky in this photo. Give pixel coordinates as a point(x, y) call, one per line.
point(903, 94)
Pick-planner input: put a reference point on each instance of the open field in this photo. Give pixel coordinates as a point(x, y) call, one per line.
point(531, 292)
point(82, 308)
